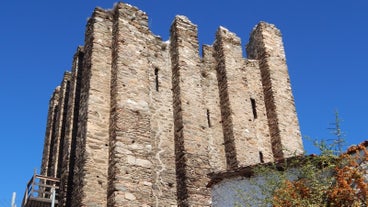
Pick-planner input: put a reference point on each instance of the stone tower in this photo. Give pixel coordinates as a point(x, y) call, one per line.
point(141, 122)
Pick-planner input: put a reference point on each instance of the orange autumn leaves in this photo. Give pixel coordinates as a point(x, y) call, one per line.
point(351, 187)
point(346, 185)
point(291, 194)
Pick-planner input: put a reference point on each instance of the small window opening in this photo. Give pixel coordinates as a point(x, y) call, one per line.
point(261, 157)
point(208, 118)
point(254, 108)
point(156, 79)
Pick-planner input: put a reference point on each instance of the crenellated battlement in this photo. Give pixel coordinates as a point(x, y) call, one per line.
point(142, 122)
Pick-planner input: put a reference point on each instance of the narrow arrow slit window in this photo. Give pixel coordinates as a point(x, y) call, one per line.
point(254, 108)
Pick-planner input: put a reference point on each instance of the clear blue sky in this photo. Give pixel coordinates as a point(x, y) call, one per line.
point(325, 42)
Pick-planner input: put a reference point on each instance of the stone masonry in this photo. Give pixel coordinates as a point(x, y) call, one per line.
point(141, 122)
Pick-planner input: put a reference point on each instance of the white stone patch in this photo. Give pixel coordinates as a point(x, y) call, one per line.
point(135, 147)
point(138, 162)
point(136, 106)
point(129, 196)
point(98, 19)
point(120, 147)
point(149, 147)
point(147, 183)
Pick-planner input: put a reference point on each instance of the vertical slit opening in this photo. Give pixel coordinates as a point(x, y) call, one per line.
point(208, 118)
point(261, 157)
point(156, 80)
point(254, 108)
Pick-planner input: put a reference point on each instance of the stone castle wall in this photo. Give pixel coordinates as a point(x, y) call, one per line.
point(141, 122)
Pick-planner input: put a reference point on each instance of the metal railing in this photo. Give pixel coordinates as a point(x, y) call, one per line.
point(41, 191)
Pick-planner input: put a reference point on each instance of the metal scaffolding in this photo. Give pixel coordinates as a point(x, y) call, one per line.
point(41, 191)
